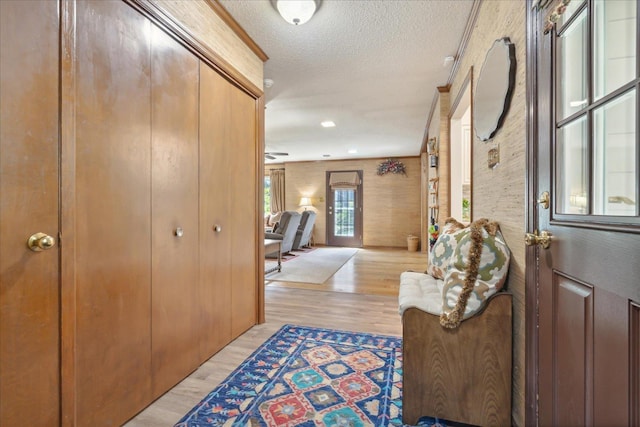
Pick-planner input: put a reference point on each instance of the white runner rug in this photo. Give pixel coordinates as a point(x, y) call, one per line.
point(312, 267)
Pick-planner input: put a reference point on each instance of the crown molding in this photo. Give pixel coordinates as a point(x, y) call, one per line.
point(237, 29)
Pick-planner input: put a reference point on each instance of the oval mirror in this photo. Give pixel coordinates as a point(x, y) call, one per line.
point(494, 88)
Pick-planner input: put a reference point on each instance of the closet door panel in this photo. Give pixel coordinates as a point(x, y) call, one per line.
point(113, 205)
point(216, 187)
point(174, 171)
point(29, 281)
point(243, 203)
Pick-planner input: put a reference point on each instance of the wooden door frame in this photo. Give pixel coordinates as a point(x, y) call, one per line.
point(531, 219)
point(466, 85)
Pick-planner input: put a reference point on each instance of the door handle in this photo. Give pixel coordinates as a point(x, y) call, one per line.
point(40, 242)
point(543, 239)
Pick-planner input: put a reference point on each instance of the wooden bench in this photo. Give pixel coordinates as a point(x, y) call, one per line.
point(462, 374)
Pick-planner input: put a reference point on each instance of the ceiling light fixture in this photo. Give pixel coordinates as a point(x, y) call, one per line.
point(352, 151)
point(328, 124)
point(296, 12)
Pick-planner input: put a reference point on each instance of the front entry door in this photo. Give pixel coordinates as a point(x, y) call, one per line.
point(344, 208)
point(588, 160)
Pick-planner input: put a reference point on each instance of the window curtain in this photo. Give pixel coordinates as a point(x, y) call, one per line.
point(344, 180)
point(277, 190)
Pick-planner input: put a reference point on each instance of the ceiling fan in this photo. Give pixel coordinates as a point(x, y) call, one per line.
point(271, 155)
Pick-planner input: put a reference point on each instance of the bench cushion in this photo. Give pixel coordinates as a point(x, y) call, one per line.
point(421, 291)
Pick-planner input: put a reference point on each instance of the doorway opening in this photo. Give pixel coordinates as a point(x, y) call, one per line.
point(461, 154)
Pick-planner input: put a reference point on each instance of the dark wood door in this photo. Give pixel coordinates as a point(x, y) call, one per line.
point(29, 167)
point(344, 212)
point(112, 213)
point(174, 211)
point(587, 159)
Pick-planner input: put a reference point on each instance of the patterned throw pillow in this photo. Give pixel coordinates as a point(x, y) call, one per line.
point(478, 270)
point(443, 248)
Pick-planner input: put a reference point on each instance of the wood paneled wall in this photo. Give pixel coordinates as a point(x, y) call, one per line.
point(391, 202)
point(499, 194)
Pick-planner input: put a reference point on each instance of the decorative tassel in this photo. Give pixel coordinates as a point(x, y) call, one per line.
point(452, 319)
point(455, 223)
point(492, 228)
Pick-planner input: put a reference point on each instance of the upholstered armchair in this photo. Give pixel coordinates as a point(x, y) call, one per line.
point(286, 230)
point(270, 221)
point(303, 235)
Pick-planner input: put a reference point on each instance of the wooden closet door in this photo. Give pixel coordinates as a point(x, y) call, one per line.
point(113, 213)
point(29, 166)
point(174, 171)
point(216, 214)
point(242, 174)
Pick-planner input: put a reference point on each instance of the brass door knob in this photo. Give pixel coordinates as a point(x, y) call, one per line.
point(40, 242)
point(543, 239)
point(217, 228)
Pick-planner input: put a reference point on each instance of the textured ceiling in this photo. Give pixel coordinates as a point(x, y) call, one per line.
point(371, 66)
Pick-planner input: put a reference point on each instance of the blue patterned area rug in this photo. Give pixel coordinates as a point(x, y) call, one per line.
point(305, 376)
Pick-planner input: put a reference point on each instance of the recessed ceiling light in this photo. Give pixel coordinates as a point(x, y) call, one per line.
point(326, 155)
point(328, 124)
point(352, 151)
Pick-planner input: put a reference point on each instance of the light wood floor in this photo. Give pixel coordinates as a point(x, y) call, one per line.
point(361, 296)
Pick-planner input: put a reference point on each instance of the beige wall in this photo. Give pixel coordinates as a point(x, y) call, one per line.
point(499, 194)
point(391, 202)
